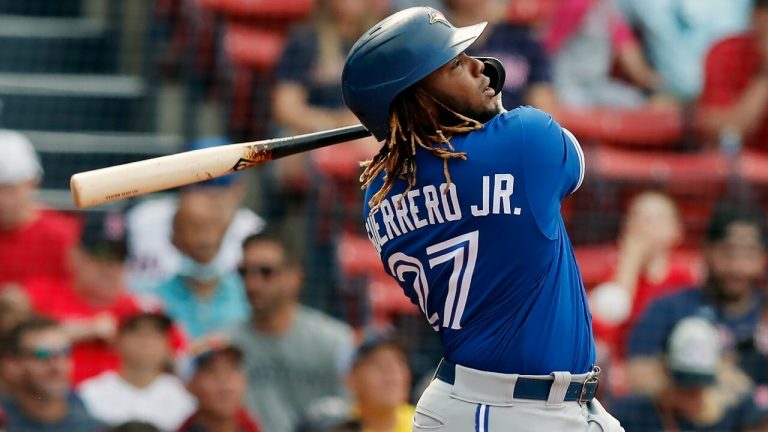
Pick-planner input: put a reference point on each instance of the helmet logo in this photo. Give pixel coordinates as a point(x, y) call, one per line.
point(436, 16)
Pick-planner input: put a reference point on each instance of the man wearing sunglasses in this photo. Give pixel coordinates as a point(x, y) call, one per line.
point(292, 354)
point(43, 400)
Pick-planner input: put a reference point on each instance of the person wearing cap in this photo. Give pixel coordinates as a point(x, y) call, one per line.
point(691, 400)
point(214, 373)
point(734, 253)
point(293, 354)
point(43, 400)
point(153, 259)
point(380, 382)
point(203, 297)
point(140, 389)
point(34, 240)
point(90, 304)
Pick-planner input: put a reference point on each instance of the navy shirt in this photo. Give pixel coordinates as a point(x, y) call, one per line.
point(299, 63)
point(76, 419)
point(640, 414)
point(488, 260)
point(649, 337)
point(523, 58)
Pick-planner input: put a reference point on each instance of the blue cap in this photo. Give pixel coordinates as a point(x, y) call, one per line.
point(395, 54)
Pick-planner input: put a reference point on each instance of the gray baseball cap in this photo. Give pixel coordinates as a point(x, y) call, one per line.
point(19, 161)
point(694, 352)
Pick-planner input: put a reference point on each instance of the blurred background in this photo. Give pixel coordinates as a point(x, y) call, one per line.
point(668, 98)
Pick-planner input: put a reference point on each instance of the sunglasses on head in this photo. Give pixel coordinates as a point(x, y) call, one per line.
point(43, 353)
point(265, 271)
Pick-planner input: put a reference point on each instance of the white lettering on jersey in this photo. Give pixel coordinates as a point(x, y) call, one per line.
point(502, 191)
point(482, 211)
point(433, 205)
point(452, 210)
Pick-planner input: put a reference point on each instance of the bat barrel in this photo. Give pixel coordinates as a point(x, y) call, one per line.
point(166, 172)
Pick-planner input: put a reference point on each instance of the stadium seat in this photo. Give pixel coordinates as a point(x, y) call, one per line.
point(357, 258)
point(58, 8)
point(641, 127)
point(67, 45)
point(261, 9)
point(252, 47)
point(702, 169)
point(530, 12)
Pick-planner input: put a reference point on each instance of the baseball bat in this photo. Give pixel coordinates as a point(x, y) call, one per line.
point(119, 182)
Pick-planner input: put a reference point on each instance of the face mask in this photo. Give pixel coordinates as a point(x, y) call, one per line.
point(200, 272)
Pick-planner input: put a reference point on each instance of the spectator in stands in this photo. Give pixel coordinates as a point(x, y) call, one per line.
point(529, 74)
point(584, 38)
point(380, 383)
point(152, 257)
point(293, 355)
point(329, 414)
point(735, 95)
point(677, 35)
point(215, 376)
point(307, 95)
point(140, 389)
point(202, 297)
point(14, 307)
point(691, 400)
point(44, 401)
point(34, 241)
point(644, 269)
point(735, 258)
point(91, 303)
point(307, 98)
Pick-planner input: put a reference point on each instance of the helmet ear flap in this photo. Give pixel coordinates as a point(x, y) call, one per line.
point(493, 69)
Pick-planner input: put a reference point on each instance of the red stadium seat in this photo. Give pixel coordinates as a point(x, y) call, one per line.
point(358, 258)
point(253, 48)
point(530, 12)
point(641, 127)
point(700, 169)
point(261, 9)
point(754, 167)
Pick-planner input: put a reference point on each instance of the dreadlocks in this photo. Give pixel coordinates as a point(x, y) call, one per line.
point(417, 119)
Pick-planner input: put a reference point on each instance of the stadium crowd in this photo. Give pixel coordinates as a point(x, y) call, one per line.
point(201, 311)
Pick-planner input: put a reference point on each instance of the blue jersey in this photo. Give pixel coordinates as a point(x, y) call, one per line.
point(487, 260)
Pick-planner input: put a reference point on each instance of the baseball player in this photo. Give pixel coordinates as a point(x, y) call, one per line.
point(463, 206)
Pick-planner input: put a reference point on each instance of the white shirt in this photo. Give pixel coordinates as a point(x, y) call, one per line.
point(152, 258)
point(165, 403)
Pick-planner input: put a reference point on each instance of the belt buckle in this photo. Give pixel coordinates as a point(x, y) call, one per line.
point(591, 378)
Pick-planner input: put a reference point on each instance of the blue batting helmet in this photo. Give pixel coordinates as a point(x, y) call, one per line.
point(396, 54)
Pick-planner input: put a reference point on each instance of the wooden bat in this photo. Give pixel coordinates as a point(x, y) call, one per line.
point(119, 182)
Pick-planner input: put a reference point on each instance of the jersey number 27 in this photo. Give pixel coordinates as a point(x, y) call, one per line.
point(462, 251)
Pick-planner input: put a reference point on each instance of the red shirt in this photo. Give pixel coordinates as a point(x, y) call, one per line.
point(681, 275)
point(730, 67)
point(38, 249)
point(57, 299)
